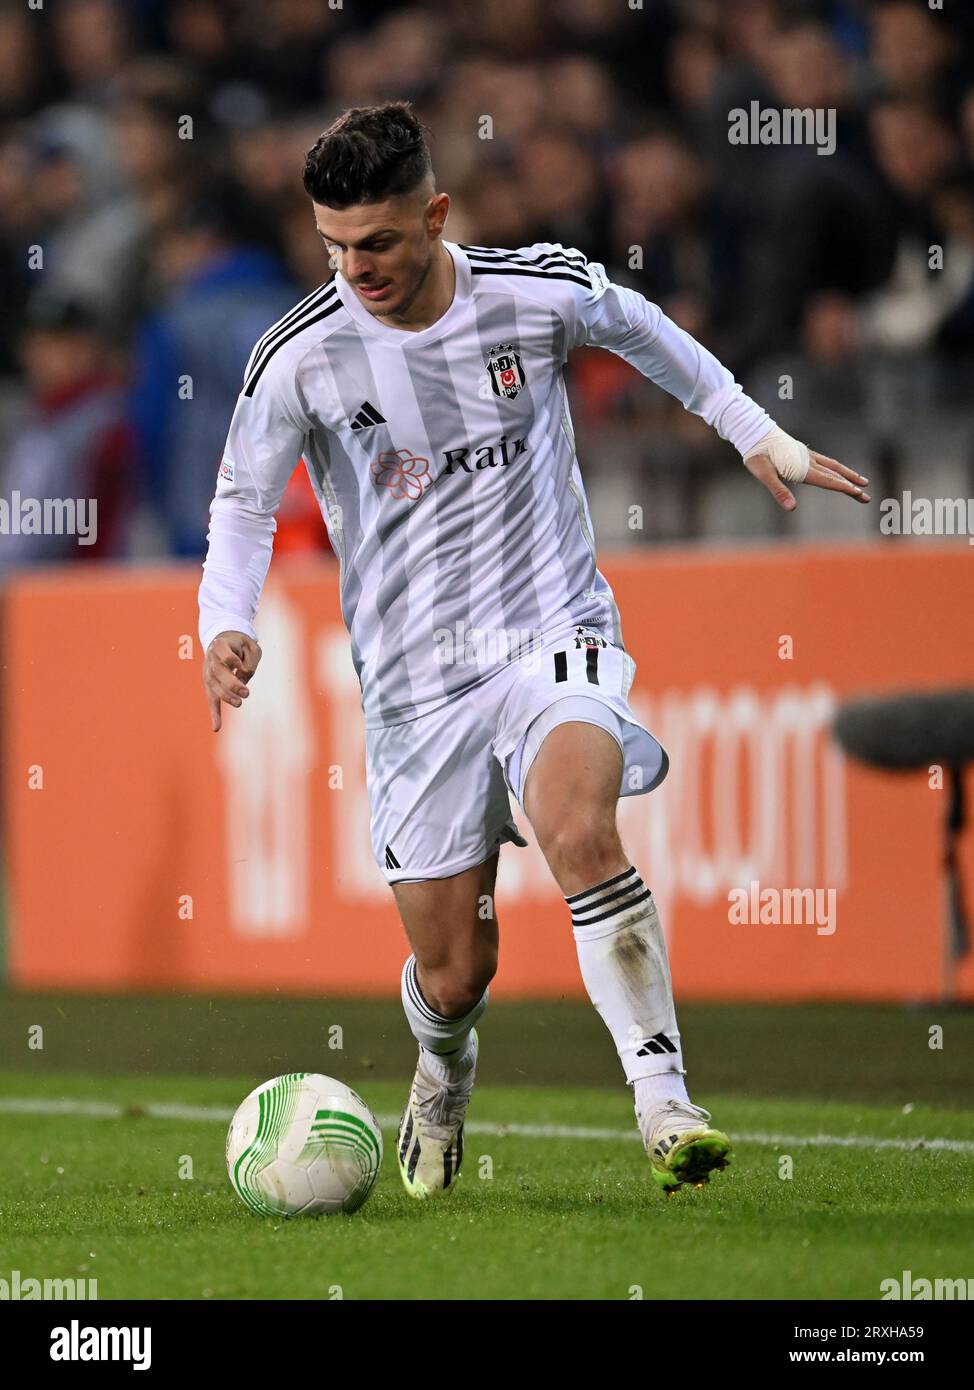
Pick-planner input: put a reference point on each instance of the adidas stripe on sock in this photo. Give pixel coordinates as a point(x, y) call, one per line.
point(431, 1030)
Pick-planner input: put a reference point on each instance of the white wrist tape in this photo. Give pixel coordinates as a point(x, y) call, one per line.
point(789, 457)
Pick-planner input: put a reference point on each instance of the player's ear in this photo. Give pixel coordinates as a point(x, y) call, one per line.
point(436, 212)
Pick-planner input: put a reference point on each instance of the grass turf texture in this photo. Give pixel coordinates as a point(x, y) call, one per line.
point(828, 1052)
point(560, 1218)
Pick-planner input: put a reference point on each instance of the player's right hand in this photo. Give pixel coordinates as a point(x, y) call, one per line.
point(231, 659)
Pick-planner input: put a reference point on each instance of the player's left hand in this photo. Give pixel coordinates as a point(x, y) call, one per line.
point(822, 472)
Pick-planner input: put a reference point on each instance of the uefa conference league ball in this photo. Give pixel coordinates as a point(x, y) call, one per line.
point(303, 1145)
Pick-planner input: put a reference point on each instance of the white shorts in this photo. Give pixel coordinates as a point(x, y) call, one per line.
point(439, 786)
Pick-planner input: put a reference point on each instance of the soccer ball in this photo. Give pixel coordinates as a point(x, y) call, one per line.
point(301, 1145)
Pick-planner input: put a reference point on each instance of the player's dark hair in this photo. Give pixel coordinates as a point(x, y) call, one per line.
point(369, 153)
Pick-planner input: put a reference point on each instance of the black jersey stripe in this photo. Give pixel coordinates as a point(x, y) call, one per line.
point(281, 331)
point(532, 274)
point(550, 262)
point(303, 306)
point(493, 253)
point(293, 333)
point(306, 305)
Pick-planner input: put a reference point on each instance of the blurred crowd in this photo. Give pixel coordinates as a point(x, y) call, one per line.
point(153, 224)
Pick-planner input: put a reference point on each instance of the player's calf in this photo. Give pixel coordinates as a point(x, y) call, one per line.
point(430, 1144)
point(445, 988)
point(572, 792)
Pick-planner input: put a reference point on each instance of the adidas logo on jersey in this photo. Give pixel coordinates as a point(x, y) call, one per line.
point(366, 417)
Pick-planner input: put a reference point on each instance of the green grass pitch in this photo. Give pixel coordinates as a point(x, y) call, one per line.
point(538, 1215)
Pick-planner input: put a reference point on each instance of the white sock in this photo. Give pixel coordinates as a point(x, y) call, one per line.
point(622, 956)
point(440, 1036)
point(450, 1066)
point(648, 1091)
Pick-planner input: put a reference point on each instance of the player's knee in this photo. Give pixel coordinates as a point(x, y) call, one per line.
point(583, 851)
point(454, 990)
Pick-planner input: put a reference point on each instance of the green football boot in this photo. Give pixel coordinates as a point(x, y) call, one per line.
point(682, 1145)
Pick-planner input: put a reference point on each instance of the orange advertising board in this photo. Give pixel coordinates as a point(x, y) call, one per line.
point(144, 852)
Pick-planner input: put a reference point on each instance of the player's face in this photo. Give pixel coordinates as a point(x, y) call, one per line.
point(384, 250)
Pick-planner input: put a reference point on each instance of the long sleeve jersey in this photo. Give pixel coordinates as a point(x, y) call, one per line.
point(444, 465)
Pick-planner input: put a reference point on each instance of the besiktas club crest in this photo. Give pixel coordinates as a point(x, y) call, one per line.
point(505, 370)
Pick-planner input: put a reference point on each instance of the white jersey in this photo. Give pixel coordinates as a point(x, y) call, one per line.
point(444, 465)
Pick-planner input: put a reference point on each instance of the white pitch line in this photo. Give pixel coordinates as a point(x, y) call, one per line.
point(791, 1141)
point(104, 1110)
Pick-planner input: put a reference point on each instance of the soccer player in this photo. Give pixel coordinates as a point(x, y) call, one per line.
point(424, 386)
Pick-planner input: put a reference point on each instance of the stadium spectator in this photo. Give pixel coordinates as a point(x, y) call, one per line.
point(603, 126)
point(915, 150)
point(913, 51)
point(83, 214)
point(221, 288)
point(26, 81)
point(954, 206)
point(92, 43)
point(74, 443)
